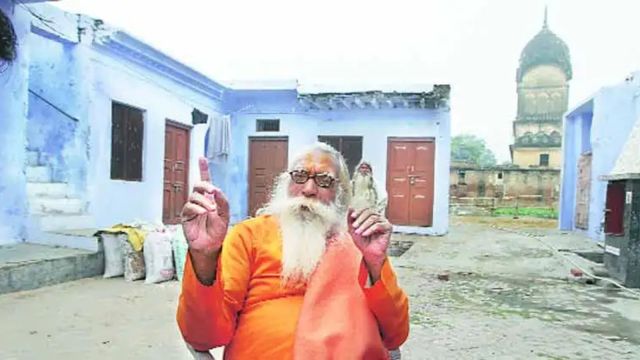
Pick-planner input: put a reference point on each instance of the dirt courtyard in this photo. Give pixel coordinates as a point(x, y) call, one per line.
point(478, 293)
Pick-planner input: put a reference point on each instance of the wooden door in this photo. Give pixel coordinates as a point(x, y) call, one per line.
point(614, 212)
point(410, 181)
point(349, 146)
point(267, 160)
point(582, 192)
point(176, 171)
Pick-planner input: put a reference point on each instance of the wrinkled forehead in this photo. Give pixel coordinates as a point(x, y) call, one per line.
point(316, 162)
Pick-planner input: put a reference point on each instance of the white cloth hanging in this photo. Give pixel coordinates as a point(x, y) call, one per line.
point(219, 144)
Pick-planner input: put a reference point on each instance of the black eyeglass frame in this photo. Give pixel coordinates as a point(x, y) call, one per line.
point(315, 177)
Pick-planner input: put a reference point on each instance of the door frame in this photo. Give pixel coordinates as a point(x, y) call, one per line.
point(410, 139)
point(250, 162)
point(178, 124)
point(350, 169)
point(578, 191)
point(187, 128)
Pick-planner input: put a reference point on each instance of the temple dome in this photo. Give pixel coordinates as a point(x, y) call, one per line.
point(546, 48)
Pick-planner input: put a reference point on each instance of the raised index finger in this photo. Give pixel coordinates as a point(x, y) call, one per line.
point(204, 169)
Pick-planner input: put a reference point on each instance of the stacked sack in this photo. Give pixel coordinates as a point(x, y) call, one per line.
point(180, 248)
point(158, 257)
point(143, 251)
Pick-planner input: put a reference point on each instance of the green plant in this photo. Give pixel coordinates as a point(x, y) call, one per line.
point(544, 213)
point(8, 40)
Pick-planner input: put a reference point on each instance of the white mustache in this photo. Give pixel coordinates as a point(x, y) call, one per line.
point(303, 204)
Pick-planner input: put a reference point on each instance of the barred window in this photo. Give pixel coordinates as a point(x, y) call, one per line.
point(127, 134)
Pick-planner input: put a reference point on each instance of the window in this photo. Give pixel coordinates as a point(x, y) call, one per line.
point(544, 159)
point(556, 102)
point(198, 117)
point(526, 138)
point(461, 177)
point(481, 188)
point(499, 176)
point(542, 103)
point(614, 216)
point(349, 146)
point(544, 139)
point(267, 125)
point(127, 129)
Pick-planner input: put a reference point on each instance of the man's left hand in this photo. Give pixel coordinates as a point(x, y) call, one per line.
point(371, 232)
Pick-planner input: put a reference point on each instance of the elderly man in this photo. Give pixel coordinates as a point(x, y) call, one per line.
point(305, 279)
point(366, 193)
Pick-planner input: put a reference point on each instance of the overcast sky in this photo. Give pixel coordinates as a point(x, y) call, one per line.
point(474, 45)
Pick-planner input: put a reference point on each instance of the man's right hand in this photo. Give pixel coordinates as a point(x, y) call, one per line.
point(205, 216)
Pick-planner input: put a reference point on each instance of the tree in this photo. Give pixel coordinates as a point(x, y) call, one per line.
point(471, 149)
point(8, 42)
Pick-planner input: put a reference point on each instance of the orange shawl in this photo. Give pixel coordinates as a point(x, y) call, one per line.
point(335, 321)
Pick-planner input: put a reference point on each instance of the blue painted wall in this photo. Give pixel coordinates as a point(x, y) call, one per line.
point(13, 113)
point(73, 82)
point(59, 83)
point(161, 98)
point(302, 128)
point(601, 126)
point(59, 103)
point(576, 141)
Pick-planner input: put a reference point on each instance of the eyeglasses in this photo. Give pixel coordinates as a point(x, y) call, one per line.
point(323, 180)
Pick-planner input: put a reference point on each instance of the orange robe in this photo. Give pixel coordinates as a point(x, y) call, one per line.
point(252, 315)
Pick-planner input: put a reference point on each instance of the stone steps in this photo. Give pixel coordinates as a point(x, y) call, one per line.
point(56, 212)
point(49, 189)
point(44, 205)
point(40, 174)
point(27, 266)
point(65, 222)
point(33, 158)
point(72, 238)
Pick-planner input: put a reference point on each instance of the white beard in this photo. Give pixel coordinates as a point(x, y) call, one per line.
point(303, 244)
point(305, 226)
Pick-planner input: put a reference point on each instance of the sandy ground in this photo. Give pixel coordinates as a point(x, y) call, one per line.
point(508, 221)
point(507, 297)
point(510, 297)
point(92, 319)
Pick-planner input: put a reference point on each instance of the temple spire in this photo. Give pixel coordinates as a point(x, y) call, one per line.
point(545, 24)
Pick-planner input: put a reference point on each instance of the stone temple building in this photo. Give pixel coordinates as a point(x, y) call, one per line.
point(543, 90)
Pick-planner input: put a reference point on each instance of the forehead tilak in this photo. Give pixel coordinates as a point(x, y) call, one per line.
point(317, 162)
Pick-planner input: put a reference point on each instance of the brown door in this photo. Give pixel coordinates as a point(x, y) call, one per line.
point(582, 191)
point(267, 159)
point(349, 146)
point(410, 181)
point(614, 212)
point(176, 171)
